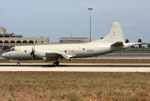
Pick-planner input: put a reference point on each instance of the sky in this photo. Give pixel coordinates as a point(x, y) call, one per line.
point(65, 18)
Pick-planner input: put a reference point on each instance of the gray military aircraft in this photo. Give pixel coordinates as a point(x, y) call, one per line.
point(114, 41)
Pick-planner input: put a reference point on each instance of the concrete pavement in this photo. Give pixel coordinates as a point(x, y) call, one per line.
point(76, 67)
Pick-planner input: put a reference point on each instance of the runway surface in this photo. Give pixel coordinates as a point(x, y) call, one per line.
point(76, 67)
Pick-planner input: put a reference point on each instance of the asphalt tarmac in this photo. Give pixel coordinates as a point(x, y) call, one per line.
point(76, 67)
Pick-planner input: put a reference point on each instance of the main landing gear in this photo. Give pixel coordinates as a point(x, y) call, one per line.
point(18, 63)
point(56, 63)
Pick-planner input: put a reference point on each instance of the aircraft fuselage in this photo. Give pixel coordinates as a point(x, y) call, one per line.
point(73, 50)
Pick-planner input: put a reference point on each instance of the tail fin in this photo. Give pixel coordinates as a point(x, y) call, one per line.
point(115, 34)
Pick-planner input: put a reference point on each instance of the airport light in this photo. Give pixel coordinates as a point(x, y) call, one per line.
point(90, 10)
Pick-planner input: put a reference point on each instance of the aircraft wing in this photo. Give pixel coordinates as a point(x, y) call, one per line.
point(56, 55)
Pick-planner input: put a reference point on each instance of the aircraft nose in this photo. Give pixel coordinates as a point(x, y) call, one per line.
point(4, 55)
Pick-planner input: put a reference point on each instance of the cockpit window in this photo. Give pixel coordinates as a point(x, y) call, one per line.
point(12, 49)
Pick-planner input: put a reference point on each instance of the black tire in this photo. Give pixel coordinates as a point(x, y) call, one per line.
point(56, 63)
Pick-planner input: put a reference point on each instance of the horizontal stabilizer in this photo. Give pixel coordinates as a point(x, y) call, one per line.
point(142, 43)
point(117, 44)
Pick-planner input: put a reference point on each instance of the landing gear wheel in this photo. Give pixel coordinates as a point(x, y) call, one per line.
point(18, 63)
point(56, 63)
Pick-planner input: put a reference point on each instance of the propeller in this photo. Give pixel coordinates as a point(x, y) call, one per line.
point(33, 52)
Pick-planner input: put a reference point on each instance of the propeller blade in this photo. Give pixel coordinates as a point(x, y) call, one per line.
point(33, 53)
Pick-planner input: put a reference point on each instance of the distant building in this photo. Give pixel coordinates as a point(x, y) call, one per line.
point(74, 40)
point(10, 39)
point(2, 30)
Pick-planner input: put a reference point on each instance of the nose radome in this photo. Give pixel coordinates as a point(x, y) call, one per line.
point(4, 55)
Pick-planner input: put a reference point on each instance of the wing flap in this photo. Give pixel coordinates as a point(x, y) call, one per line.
point(55, 56)
point(52, 54)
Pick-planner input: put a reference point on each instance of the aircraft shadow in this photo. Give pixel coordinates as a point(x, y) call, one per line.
point(99, 66)
point(77, 66)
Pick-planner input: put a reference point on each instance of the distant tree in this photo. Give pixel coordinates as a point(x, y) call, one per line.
point(140, 41)
point(148, 45)
point(127, 41)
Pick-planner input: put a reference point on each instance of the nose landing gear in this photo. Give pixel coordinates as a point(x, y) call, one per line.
point(16, 61)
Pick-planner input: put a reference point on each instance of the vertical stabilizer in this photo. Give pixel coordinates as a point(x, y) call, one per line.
point(115, 34)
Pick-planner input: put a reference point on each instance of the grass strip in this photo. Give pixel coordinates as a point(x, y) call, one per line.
point(71, 86)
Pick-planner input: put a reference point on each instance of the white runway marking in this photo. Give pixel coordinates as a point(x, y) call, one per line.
point(77, 67)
